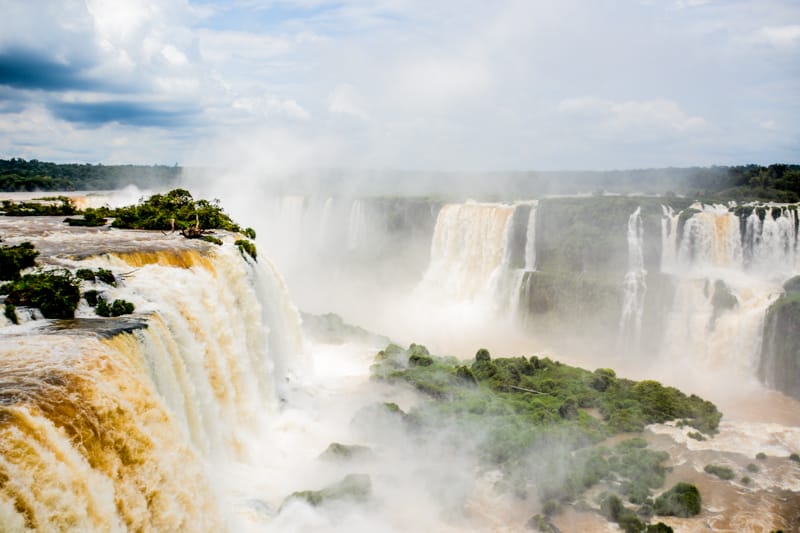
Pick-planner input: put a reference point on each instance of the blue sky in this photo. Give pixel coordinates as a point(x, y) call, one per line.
point(402, 84)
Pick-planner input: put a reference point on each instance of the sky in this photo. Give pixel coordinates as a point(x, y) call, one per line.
point(401, 84)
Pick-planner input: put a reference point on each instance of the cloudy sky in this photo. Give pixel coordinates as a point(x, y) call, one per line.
point(403, 84)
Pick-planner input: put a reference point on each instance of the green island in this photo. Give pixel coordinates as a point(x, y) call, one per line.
point(536, 419)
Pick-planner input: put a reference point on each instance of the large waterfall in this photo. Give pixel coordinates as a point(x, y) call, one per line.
point(727, 269)
point(481, 252)
point(106, 424)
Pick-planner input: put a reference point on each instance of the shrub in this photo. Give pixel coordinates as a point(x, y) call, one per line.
point(56, 294)
point(753, 468)
point(117, 308)
point(91, 297)
point(91, 218)
point(746, 480)
point(722, 472)
point(761, 456)
point(682, 500)
point(13, 259)
point(250, 233)
point(101, 274)
point(10, 312)
point(794, 457)
point(247, 247)
point(212, 240)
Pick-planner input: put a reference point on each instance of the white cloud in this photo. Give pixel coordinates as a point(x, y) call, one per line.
point(344, 100)
point(656, 116)
point(269, 105)
point(787, 36)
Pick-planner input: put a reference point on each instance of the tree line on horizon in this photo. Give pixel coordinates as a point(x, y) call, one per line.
point(776, 182)
point(18, 175)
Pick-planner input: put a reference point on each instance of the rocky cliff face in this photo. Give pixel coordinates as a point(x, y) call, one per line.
point(779, 366)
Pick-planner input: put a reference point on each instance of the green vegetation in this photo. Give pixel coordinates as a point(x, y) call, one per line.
point(91, 218)
point(13, 259)
point(33, 175)
point(212, 240)
point(353, 487)
point(174, 210)
point(246, 247)
point(753, 468)
point(91, 297)
point(529, 417)
point(117, 308)
point(338, 451)
point(59, 206)
point(746, 480)
point(794, 457)
point(682, 500)
point(55, 293)
point(10, 312)
point(761, 456)
point(722, 472)
point(101, 274)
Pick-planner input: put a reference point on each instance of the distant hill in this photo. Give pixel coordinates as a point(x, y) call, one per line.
point(34, 175)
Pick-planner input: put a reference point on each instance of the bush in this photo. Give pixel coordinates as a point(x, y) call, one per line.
point(794, 457)
point(247, 247)
point(56, 294)
point(91, 297)
point(683, 500)
point(10, 312)
point(761, 456)
point(91, 218)
point(13, 259)
point(250, 233)
point(117, 308)
point(212, 240)
point(101, 274)
point(753, 468)
point(722, 472)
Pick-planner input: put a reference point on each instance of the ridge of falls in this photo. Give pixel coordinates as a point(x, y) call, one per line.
point(110, 431)
point(727, 270)
point(634, 285)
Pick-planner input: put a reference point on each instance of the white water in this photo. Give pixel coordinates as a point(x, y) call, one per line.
point(468, 252)
point(634, 285)
point(753, 266)
point(197, 387)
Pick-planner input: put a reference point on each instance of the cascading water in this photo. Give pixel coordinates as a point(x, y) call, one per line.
point(468, 251)
point(725, 280)
point(357, 226)
point(111, 432)
point(634, 285)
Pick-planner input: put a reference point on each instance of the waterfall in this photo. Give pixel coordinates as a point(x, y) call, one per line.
point(468, 252)
point(634, 285)
point(110, 432)
point(357, 226)
point(726, 272)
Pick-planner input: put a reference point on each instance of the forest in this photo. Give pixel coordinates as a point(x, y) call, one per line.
point(34, 175)
point(776, 182)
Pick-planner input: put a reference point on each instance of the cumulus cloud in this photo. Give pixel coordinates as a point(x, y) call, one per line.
point(412, 84)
